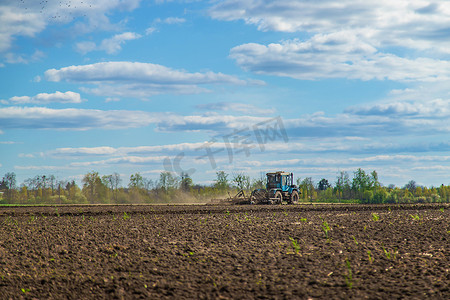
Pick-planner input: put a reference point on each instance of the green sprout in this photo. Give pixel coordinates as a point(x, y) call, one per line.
point(356, 242)
point(389, 254)
point(415, 217)
point(349, 276)
point(295, 245)
point(125, 216)
point(325, 228)
point(375, 217)
point(369, 254)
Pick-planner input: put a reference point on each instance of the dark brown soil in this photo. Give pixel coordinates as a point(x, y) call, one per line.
point(222, 252)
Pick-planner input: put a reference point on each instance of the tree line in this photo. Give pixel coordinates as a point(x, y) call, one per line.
point(363, 187)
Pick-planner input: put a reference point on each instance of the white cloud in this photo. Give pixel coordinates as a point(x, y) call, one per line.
point(43, 98)
point(168, 21)
point(237, 107)
point(123, 71)
point(433, 168)
point(27, 19)
point(401, 119)
point(85, 47)
point(171, 20)
point(336, 55)
point(17, 21)
point(71, 118)
point(111, 45)
point(396, 40)
point(122, 160)
point(134, 79)
point(390, 157)
point(437, 108)
point(416, 24)
point(347, 144)
point(150, 30)
point(210, 123)
point(126, 151)
point(15, 58)
point(142, 91)
point(40, 168)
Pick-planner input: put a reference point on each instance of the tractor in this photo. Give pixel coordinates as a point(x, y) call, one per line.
point(279, 187)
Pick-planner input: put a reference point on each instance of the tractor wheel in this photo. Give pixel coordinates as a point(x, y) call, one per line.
point(279, 197)
point(294, 197)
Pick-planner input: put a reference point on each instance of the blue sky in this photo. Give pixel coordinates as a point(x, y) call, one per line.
point(303, 86)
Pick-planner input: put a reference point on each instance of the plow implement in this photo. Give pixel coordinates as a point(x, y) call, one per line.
point(259, 196)
point(239, 199)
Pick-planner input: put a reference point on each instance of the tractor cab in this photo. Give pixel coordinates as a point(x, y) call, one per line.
point(280, 181)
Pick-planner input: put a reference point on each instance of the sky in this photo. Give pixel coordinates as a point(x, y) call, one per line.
point(309, 87)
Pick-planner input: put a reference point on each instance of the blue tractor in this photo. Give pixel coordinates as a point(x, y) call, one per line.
point(279, 187)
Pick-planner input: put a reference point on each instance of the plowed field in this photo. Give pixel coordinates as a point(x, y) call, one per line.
point(221, 252)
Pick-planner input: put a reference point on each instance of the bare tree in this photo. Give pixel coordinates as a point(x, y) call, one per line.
point(9, 181)
point(242, 181)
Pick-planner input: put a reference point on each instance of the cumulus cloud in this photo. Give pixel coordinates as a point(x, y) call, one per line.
point(85, 47)
point(71, 118)
point(437, 108)
point(27, 19)
point(111, 45)
point(142, 91)
point(123, 71)
point(16, 21)
point(122, 160)
point(214, 123)
point(40, 168)
point(413, 23)
point(128, 151)
point(395, 40)
point(84, 151)
point(16, 58)
point(140, 80)
point(394, 119)
point(363, 121)
point(237, 107)
point(43, 98)
point(336, 55)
